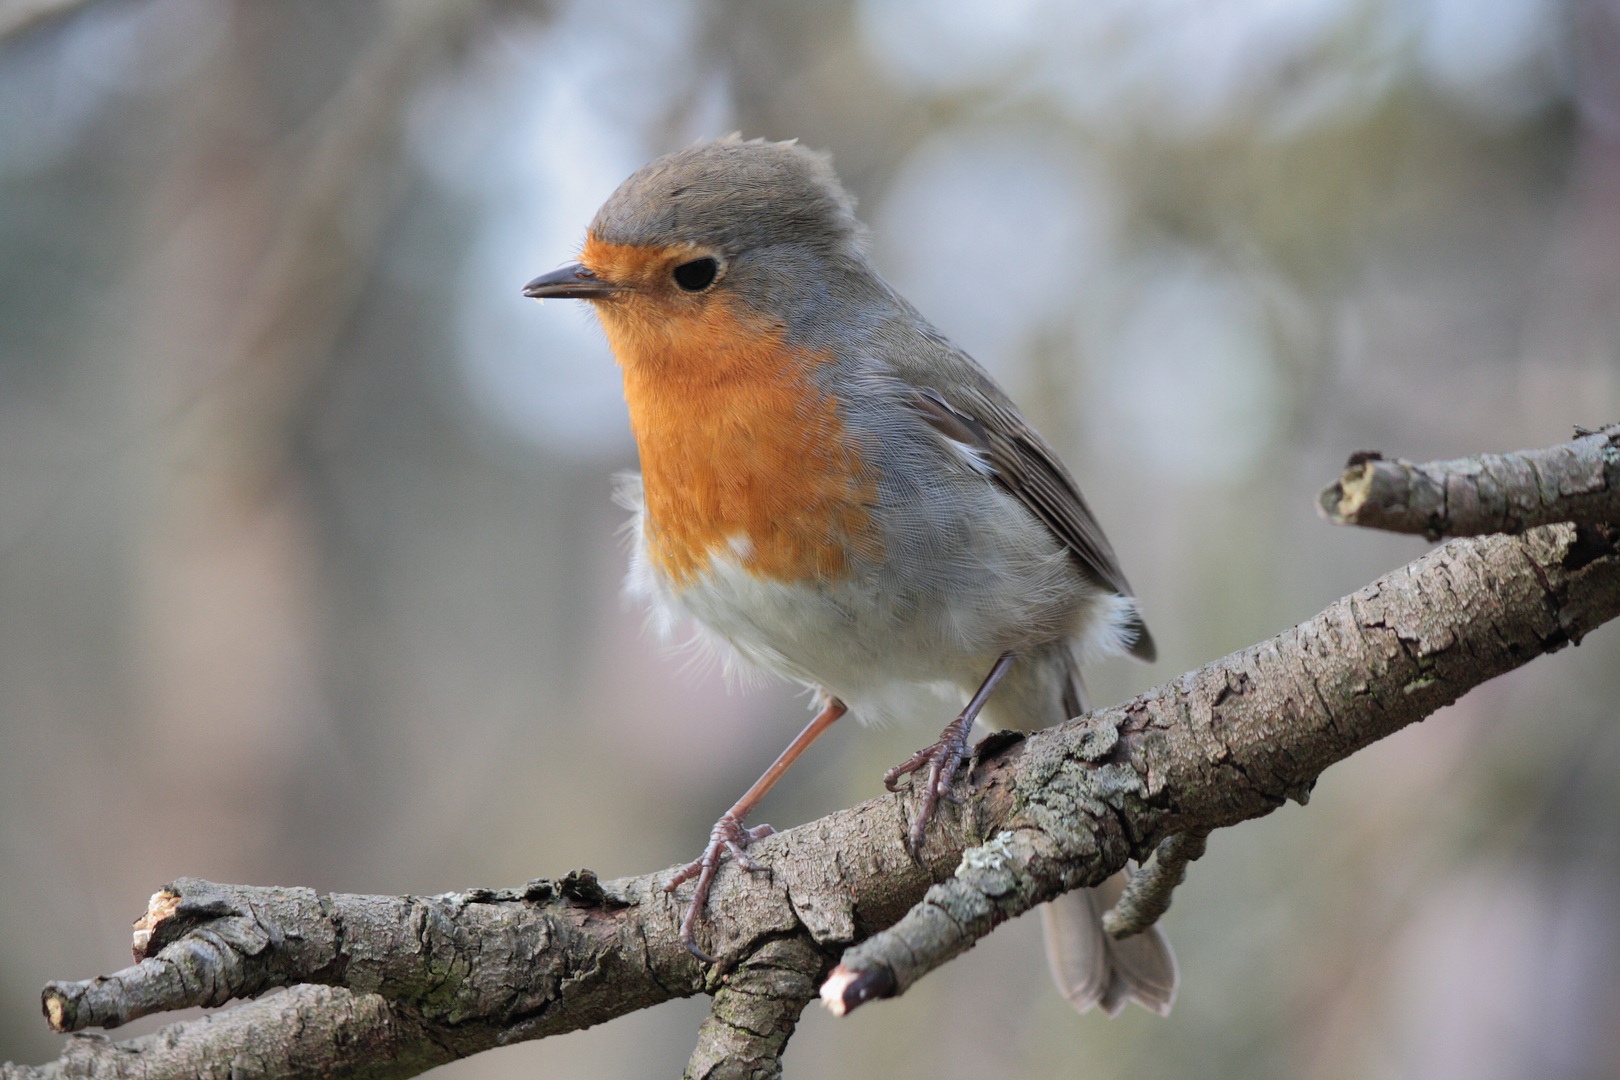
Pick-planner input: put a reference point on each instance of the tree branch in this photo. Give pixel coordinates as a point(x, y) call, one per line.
point(309, 1031)
point(1491, 493)
point(408, 982)
point(1235, 738)
point(433, 978)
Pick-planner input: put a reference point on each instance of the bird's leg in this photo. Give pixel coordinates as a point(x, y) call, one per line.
point(729, 833)
point(944, 757)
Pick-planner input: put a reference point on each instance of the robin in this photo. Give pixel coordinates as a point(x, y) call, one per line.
point(835, 493)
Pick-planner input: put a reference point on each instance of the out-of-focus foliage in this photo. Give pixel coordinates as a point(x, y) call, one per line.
point(308, 568)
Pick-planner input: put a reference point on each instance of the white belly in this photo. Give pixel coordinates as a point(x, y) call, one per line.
point(891, 640)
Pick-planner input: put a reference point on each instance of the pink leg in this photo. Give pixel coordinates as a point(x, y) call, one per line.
point(944, 757)
point(730, 835)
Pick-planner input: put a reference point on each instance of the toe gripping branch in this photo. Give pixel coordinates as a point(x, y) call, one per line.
point(730, 835)
point(944, 757)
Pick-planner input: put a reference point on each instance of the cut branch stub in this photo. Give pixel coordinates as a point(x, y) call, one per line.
point(1576, 482)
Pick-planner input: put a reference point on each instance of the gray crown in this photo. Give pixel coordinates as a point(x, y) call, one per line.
point(733, 195)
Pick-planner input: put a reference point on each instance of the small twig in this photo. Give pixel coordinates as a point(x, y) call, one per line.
point(1577, 482)
point(1147, 896)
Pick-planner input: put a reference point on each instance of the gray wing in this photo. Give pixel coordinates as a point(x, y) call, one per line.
point(1023, 463)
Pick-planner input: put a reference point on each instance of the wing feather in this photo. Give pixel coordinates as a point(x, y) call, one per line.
point(1023, 463)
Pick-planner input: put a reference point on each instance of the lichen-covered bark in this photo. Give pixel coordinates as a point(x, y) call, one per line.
point(1576, 482)
point(408, 982)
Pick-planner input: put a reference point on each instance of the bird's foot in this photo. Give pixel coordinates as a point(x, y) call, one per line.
point(728, 835)
point(942, 759)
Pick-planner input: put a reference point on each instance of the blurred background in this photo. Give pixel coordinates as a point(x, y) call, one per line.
point(309, 573)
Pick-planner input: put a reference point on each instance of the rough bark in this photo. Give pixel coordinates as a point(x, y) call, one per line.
point(389, 986)
point(755, 1012)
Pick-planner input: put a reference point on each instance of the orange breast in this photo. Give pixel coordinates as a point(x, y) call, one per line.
point(740, 452)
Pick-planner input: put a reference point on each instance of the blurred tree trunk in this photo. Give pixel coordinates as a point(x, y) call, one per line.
point(259, 239)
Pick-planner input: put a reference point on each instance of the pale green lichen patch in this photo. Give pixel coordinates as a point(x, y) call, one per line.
point(989, 868)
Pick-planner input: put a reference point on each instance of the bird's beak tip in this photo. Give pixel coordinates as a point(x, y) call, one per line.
point(572, 282)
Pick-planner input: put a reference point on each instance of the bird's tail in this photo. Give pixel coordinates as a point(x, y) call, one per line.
point(1090, 968)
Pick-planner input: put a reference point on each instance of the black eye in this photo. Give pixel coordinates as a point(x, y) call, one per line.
point(697, 275)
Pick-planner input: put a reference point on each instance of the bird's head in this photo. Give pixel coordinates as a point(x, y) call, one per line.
point(719, 234)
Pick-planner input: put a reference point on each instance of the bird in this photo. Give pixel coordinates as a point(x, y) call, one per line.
point(833, 492)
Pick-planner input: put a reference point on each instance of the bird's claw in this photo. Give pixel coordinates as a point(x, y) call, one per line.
point(942, 760)
point(729, 835)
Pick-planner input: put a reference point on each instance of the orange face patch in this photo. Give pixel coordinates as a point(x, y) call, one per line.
point(740, 451)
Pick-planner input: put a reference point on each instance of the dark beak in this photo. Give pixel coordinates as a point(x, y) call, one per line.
point(571, 282)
